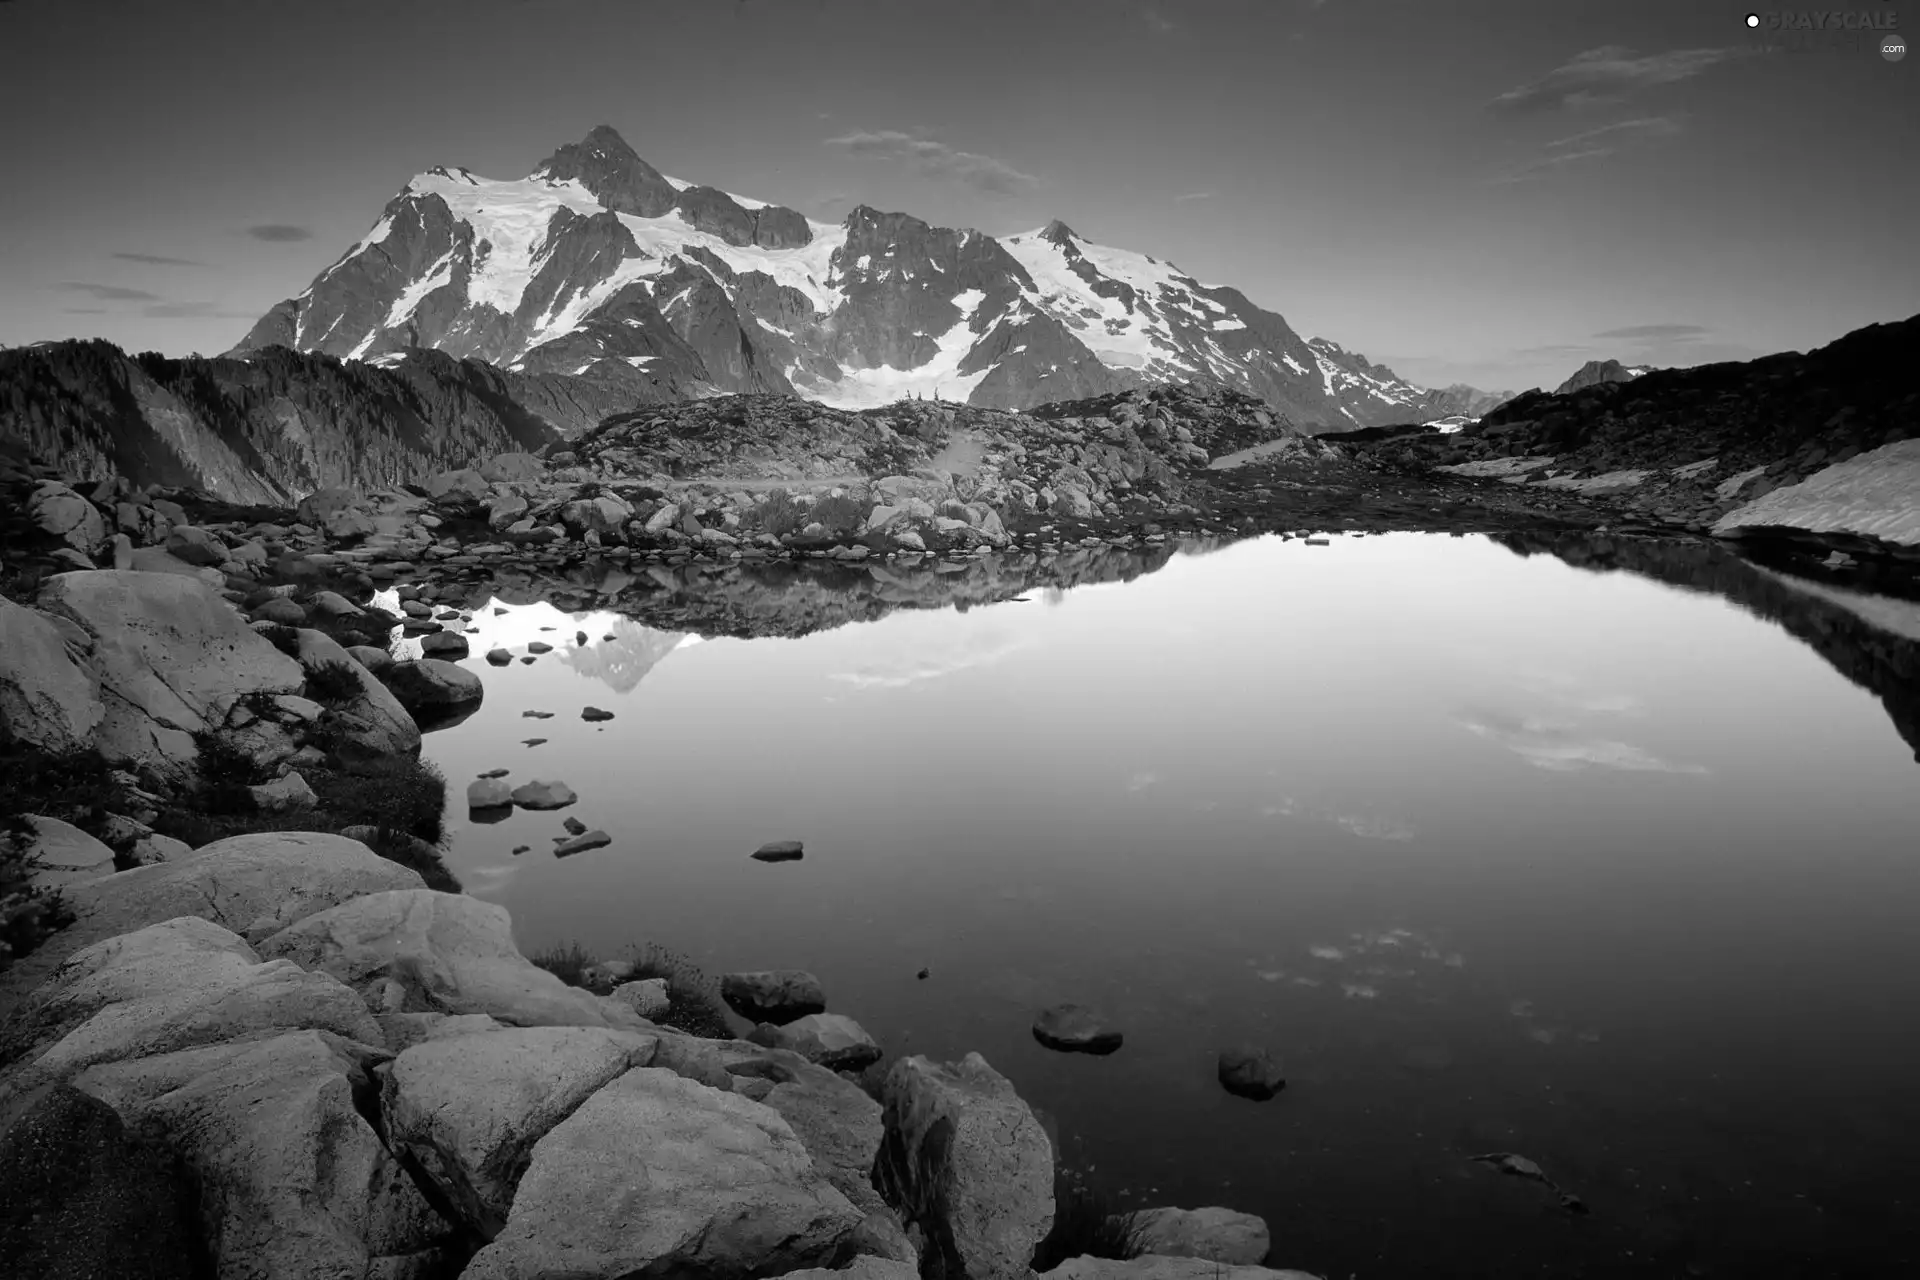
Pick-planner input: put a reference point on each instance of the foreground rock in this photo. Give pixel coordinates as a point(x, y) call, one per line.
point(965, 1161)
point(1221, 1235)
point(172, 658)
point(833, 1040)
point(773, 995)
point(47, 698)
point(253, 885)
point(294, 1184)
point(470, 1109)
point(416, 950)
point(1162, 1267)
point(434, 687)
point(656, 1175)
point(83, 1197)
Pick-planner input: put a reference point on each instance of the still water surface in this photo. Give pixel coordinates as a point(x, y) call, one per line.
point(1495, 854)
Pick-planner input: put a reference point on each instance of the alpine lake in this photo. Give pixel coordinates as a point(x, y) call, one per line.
point(1589, 853)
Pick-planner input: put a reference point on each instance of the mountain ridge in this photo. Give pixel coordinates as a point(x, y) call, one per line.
point(597, 263)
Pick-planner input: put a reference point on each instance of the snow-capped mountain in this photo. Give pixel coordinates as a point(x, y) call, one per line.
point(597, 265)
point(1373, 395)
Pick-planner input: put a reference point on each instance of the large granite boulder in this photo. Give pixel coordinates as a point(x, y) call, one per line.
point(416, 950)
point(965, 1161)
point(773, 995)
point(47, 699)
point(374, 725)
point(177, 985)
point(831, 1039)
point(253, 885)
point(469, 1109)
point(1222, 1235)
point(841, 1128)
point(62, 854)
point(172, 657)
point(463, 491)
point(294, 1184)
point(62, 513)
point(657, 1175)
point(432, 687)
point(80, 1197)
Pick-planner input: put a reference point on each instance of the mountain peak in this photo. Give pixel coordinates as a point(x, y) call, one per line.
point(1057, 232)
point(605, 165)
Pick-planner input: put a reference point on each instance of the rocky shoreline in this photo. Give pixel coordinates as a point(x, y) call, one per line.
point(284, 1052)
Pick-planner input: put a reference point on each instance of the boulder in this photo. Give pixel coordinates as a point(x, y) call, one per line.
point(512, 468)
point(60, 512)
point(648, 997)
point(773, 995)
point(448, 646)
point(428, 684)
point(172, 658)
point(833, 1040)
point(47, 699)
point(459, 490)
point(180, 984)
point(421, 951)
point(1163, 1267)
point(582, 843)
point(1221, 1235)
point(81, 1197)
point(285, 794)
point(779, 851)
point(193, 545)
point(965, 1161)
point(293, 1182)
point(543, 795)
point(63, 854)
point(656, 1175)
point(499, 657)
point(253, 885)
point(1073, 1028)
point(1248, 1071)
point(840, 1126)
point(377, 662)
point(279, 610)
point(469, 1109)
point(489, 793)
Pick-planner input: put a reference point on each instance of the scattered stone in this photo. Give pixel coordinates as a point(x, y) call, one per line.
point(777, 996)
point(582, 843)
point(283, 795)
point(593, 715)
point(539, 646)
point(448, 646)
point(431, 685)
point(499, 657)
point(1220, 1235)
point(532, 742)
point(543, 795)
point(1250, 1072)
point(280, 610)
point(494, 773)
point(378, 662)
point(489, 793)
point(1072, 1028)
point(536, 715)
point(648, 997)
point(573, 825)
point(832, 1040)
point(779, 851)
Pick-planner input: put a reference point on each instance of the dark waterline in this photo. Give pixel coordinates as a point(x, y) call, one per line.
point(1496, 855)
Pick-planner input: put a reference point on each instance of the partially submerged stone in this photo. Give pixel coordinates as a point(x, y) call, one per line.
point(1215, 1233)
point(833, 1040)
point(1073, 1028)
point(773, 995)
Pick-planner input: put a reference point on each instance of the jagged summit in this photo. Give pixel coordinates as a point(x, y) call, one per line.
point(599, 265)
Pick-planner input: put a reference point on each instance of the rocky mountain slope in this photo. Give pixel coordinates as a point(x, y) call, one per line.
point(281, 424)
point(1595, 372)
point(1372, 395)
point(596, 264)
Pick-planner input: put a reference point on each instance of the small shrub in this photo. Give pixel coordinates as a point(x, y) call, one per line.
point(779, 515)
point(841, 515)
point(334, 683)
point(76, 787)
point(418, 856)
point(696, 1007)
point(568, 962)
point(1086, 1223)
point(28, 914)
point(284, 638)
point(225, 774)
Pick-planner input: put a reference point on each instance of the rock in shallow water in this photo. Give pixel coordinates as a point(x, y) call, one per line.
point(581, 843)
point(773, 995)
point(543, 795)
point(779, 851)
point(1073, 1028)
point(832, 1040)
point(489, 793)
point(1247, 1071)
point(1214, 1233)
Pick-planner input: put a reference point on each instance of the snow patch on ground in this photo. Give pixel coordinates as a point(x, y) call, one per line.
point(416, 293)
point(1496, 466)
point(1606, 482)
point(1875, 494)
point(1732, 485)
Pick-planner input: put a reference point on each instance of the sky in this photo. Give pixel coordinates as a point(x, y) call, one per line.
point(1488, 191)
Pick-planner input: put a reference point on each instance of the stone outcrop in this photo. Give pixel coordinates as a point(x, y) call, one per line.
point(1221, 1235)
point(655, 1174)
point(421, 951)
point(47, 698)
point(965, 1162)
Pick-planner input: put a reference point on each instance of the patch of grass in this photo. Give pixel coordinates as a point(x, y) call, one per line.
point(225, 774)
point(284, 638)
point(841, 515)
point(1086, 1223)
point(408, 796)
point(568, 963)
point(333, 683)
point(418, 856)
point(76, 787)
point(696, 1007)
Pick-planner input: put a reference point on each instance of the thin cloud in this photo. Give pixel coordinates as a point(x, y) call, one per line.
point(156, 260)
point(1549, 163)
point(1193, 195)
point(109, 292)
point(934, 159)
point(1610, 73)
point(1157, 20)
point(280, 233)
point(1657, 332)
point(80, 311)
point(192, 310)
point(1646, 127)
point(1561, 748)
